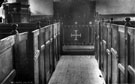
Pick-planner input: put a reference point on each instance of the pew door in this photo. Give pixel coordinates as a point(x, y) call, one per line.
point(36, 55)
point(109, 44)
point(51, 48)
point(59, 40)
point(42, 55)
point(122, 62)
point(47, 54)
point(7, 71)
point(104, 45)
point(55, 42)
point(115, 53)
point(97, 42)
point(131, 61)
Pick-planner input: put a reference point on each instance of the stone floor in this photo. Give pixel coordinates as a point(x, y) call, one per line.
point(77, 70)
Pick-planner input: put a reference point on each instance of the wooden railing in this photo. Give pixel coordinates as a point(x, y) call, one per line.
point(32, 53)
point(115, 45)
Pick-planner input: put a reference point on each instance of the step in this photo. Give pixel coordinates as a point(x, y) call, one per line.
point(78, 50)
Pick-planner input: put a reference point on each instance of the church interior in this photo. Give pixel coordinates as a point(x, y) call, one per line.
point(67, 42)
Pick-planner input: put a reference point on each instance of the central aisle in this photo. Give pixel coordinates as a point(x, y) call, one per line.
point(77, 70)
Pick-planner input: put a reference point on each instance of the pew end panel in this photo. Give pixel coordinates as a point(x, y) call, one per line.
point(7, 71)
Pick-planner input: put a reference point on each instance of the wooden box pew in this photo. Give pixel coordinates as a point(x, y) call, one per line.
point(42, 39)
point(51, 50)
point(97, 36)
point(22, 60)
point(115, 53)
point(44, 63)
point(122, 60)
point(108, 53)
point(131, 55)
point(38, 53)
point(30, 72)
point(42, 55)
point(27, 64)
point(51, 39)
point(26, 57)
point(101, 46)
point(7, 70)
point(58, 39)
point(105, 53)
point(48, 52)
point(104, 47)
point(56, 43)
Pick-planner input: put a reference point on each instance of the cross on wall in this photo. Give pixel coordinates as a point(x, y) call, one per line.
point(76, 35)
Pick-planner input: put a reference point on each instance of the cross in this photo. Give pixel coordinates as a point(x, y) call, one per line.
point(75, 35)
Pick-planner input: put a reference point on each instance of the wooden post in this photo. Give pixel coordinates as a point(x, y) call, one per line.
point(14, 29)
point(15, 32)
point(126, 48)
point(41, 58)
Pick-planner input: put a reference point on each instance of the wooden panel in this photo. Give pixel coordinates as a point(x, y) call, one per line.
point(51, 48)
point(105, 47)
point(9, 77)
point(55, 43)
point(6, 58)
point(31, 52)
point(114, 50)
point(100, 38)
point(109, 66)
point(36, 55)
point(47, 62)
point(22, 59)
point(47, 32)
point(122, 68)
point(59, 41)
point(51, 58)
point(55, 52)
point(47, 54)
point(131, 75)
point(121, 53)
point(115, 37)
point(122, 44)
point(6, 63)
point(104, 59)
point(103, 50)
point(76, 34)
point(109, 45)
point(131, 71)
point(96, 34)
point(42, 55)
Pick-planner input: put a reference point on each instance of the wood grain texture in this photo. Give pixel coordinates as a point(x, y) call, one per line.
point(77, 70)
point(6, 57)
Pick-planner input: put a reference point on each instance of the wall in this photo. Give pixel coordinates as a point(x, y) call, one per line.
point(115, 6)
point(41, 7)
point(71, 11)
